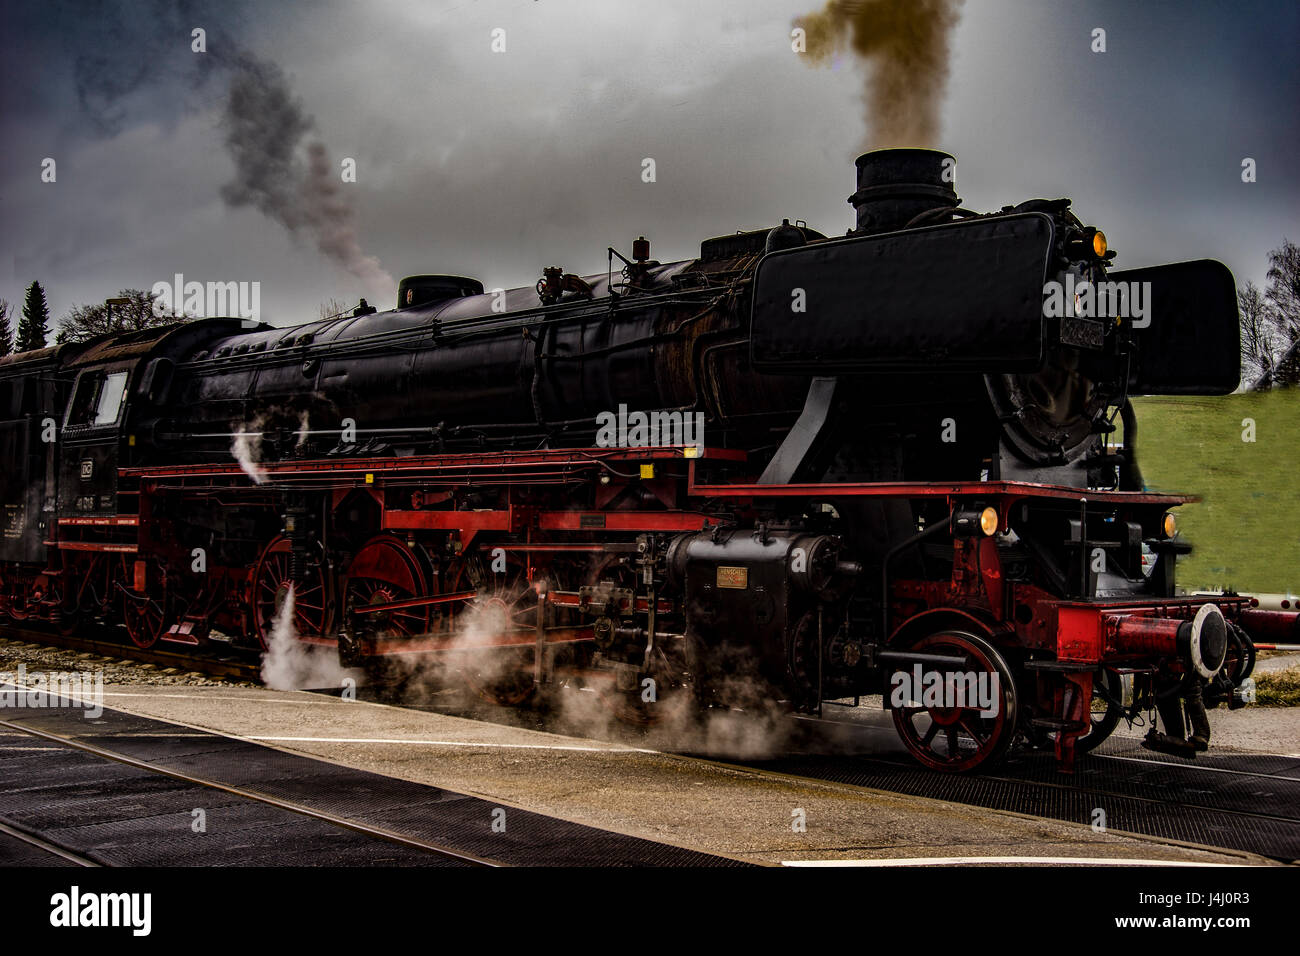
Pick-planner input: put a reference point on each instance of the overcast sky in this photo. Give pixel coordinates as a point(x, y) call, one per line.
point(497, 164)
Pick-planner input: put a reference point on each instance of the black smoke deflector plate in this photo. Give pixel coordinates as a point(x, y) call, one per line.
point(1192, 342)
point(963, 296)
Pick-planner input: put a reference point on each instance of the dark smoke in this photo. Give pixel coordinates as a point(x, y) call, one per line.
point(126, 51)
point(265, 129)
point(903, 45)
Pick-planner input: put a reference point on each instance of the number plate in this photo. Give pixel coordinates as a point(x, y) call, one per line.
point(734, 578)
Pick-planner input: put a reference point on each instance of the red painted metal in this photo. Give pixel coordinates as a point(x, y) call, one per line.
point(461, 521)
point(117, 521)
point(415, 602)
point(622, 521)
point(1076, 708)
point(1145, 634)
point(938, 489)
point(1276, 626)
point(101, 546)
point(1078, 634)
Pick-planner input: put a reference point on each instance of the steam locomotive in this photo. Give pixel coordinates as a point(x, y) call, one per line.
point(794, 469)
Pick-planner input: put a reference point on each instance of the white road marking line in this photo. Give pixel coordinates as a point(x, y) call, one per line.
point(1002, 861)
point(447, 743)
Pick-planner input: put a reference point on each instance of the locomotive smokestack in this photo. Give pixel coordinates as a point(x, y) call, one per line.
point(896, 185)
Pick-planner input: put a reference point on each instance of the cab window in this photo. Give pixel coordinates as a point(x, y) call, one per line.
point(98, 399)
point(110, 399)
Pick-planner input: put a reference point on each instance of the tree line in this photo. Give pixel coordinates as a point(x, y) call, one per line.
point(83, 322)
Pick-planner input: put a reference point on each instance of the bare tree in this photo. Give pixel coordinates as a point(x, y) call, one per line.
point(88, 321)
point(1283, 298)
point(1257, 333)
point(332, 307)
point(1284, 288)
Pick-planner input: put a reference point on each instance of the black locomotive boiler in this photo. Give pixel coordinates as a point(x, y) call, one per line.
point(883, 463)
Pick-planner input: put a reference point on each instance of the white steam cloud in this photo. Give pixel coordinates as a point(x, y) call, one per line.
point(290, 664)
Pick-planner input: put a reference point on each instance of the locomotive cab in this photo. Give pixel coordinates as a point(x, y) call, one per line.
point(33, 393)
point(91, 435)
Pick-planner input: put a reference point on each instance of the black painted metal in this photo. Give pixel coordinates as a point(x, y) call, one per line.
point(896, 185)
point(1192, 344)
point(961, 296)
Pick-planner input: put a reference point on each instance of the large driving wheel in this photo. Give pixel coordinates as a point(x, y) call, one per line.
point(272, 583)
point(386, 571)
point(939, 723)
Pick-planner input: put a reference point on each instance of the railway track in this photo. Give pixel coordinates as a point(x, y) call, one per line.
point(121, 790)
point(45, 848)
point(106, 646)
point(39, 841)
point(1235, 801)
point(1248, 802)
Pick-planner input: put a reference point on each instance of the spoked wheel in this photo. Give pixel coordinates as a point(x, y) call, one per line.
point(943, 723)
point(147, 616)
point(386, 571)
point(504, 608)
point(272, 583)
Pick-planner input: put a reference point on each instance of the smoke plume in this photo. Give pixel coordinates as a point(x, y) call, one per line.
point(138, 58)
point(265, 133)
point(903, 47)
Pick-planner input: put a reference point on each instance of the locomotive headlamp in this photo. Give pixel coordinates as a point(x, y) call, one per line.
point(1089, 244)
point(971, 524)
point(1169, 525)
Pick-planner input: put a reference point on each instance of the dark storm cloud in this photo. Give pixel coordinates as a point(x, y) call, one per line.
point(1149, 136)
point(127, 57)
point(110, 51)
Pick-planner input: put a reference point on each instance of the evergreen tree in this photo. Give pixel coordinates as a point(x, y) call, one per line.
point(34, 326)
point(6, 333)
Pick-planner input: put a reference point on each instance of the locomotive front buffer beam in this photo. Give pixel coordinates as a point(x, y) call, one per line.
point(1202, 653)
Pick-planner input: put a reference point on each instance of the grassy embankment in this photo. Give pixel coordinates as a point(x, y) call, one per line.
point(1246, 527)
